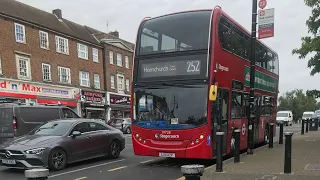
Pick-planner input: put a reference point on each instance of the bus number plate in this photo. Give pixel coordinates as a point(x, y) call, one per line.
point(167, 155)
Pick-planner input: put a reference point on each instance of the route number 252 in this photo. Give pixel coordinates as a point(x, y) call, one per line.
point(193, 66)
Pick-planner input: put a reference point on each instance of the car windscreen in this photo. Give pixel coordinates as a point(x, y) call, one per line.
point(52, 129)
point(282, 114)
point(6, 121)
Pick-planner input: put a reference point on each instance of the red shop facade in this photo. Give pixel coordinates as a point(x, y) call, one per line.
point(12, 90)
point(93, 104)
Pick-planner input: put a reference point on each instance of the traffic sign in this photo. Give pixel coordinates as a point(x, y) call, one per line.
point(262, 4)
point(265, 23)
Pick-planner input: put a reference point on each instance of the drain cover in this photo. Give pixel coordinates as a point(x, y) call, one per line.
point(312, 167)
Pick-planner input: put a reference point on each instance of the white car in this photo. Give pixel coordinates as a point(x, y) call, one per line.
point(285, 117)
point(307, 115)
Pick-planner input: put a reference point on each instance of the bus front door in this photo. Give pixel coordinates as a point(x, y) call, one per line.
point(220, 117)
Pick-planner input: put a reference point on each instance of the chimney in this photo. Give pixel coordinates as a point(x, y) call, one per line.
point(58, 13)
point(115, 33)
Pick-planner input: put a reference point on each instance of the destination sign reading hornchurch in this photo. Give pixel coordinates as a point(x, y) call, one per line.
point(171, 68)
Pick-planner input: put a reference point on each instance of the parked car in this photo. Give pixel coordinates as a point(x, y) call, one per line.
point(307, 115)
point(60, 142)
point(123, 124)
point(285, 117)
point(19, 119)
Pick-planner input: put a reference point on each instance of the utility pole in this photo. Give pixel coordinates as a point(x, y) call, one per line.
point(251, 118)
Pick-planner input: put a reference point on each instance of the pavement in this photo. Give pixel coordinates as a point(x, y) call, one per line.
point(268, 163)
point(126, 167)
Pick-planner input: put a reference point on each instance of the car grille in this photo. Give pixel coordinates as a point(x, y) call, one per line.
point(12, 152)
point(34, 162)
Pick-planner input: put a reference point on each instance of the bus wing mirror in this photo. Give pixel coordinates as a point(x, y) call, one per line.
point(213, 92)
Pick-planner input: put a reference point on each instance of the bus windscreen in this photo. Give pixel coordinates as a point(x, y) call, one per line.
point(170, 106)
point(187, 31)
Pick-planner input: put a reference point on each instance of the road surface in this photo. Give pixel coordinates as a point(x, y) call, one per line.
point(127, 166)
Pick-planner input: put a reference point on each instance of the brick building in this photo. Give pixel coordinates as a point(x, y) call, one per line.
point(45, 58)
point(119, 62)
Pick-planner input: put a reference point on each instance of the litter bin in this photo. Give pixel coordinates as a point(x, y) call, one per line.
point(314, 124)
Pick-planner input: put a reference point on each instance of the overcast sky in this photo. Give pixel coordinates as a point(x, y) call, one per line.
point(125, 16)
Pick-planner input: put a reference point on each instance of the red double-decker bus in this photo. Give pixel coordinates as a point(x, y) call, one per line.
point(180, 61)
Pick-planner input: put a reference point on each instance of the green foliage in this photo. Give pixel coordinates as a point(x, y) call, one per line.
point(311, 44)
point(298, 102)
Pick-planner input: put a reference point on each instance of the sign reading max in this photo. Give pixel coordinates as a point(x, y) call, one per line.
point(171, 68)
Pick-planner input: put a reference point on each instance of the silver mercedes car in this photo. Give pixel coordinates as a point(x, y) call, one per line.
point(60, 142)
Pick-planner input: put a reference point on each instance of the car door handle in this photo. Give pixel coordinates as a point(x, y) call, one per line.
point(88, 137)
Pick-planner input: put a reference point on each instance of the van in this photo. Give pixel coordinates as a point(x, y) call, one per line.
point(307, 115)
point(285, 117)
point(20, 119)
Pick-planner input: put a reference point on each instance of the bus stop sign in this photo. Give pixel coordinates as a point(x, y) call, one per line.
point(262, 4)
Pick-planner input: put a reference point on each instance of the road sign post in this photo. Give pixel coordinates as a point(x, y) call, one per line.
point(265, 23)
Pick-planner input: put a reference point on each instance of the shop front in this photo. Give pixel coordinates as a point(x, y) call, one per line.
point(93, 104)
point(12, 90)
point(119, 105)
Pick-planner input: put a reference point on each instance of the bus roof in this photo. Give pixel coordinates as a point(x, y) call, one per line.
point(221, 11)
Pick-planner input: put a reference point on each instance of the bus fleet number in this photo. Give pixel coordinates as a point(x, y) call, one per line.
point(193, 66)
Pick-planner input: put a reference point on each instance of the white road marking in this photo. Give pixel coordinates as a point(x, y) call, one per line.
point(89, 167)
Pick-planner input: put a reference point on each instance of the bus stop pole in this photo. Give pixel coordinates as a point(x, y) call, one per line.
point(251, 117)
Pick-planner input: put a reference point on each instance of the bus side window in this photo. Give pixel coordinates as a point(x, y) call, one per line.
point(224, 104)
point(237, 108)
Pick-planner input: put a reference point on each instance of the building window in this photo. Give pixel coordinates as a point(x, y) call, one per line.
point(112, 81)
point(128, 85)
point(64, 75)
point(46, 72)
point(95, 55)
point(62, 45)
point(119, 59)
point(82, 51)
point(84, 79)
point(20, 33)
point(44, 40)
point(127, 61)
point(120, 82)
point(96, 79)
point(111, 57)
point(23, 67)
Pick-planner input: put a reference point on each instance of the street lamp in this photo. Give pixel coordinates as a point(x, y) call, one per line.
point(251, 118)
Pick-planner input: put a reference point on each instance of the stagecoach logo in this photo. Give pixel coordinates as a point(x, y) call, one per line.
point(222, 68)
point(166, 136)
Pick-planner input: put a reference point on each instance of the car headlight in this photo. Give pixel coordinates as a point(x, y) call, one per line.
point(35, 151)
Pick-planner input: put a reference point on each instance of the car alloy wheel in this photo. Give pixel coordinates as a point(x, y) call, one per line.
point(58, 159)
point(114, 151)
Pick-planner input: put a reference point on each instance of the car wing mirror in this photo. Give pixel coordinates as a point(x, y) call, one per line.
point(75, 134)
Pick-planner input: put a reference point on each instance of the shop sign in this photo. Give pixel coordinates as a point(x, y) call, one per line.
point(119, 99)
point(92, 97)
point(14, 86)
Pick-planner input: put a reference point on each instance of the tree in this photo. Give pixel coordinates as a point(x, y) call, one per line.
point(298, 102)
point(311, 44)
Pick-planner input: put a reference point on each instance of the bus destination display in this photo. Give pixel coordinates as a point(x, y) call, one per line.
point(170, 68)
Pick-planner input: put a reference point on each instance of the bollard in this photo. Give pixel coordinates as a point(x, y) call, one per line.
point(271, 135)
point(307, 125)
point(237, 146)
point(302, 127)
point(281, 133)
point(36, 174)
point(287, 153)
point(192, 172)
point(219, 155)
